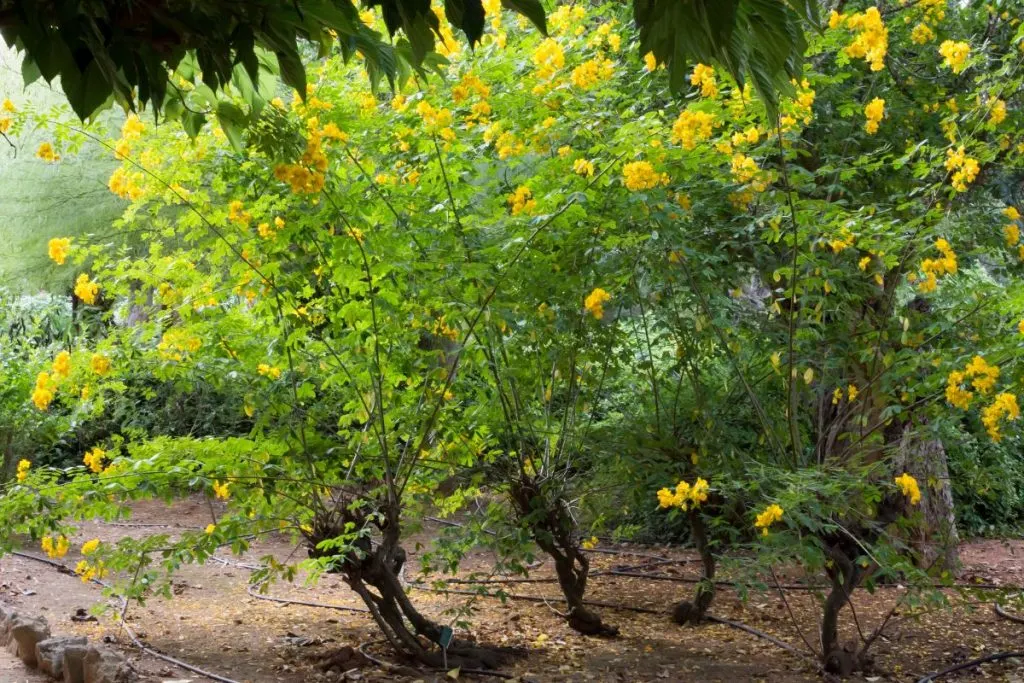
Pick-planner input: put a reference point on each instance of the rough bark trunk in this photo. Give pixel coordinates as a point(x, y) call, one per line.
point(551, 528)
point(688, 612)
point(845, 576)
point(935, 541)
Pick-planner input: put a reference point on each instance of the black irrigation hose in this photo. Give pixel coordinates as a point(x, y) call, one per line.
point(968, 665)
point(391, 667)
point(1006, 615)
point(250, 589)
point(64, 569)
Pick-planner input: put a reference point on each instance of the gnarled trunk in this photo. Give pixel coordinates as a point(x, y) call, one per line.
point(845, 576)
point(551, 528)
point(692, 612)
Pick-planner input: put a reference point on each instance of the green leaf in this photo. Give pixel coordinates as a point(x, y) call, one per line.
point(531, 9)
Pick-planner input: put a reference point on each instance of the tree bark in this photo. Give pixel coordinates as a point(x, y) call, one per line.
point(692, 613)
point(935, 540)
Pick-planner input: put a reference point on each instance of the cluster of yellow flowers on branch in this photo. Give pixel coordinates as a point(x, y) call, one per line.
point(935, 268)
point(871, 39)
point(685, 496)
point(964, 168)
point(770, 515)
point(60, 370)
point(594, 303)
point(874, 112)
point(1003, 407)
point(909, 488)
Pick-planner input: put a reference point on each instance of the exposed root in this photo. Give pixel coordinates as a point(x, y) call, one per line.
point(969, 665)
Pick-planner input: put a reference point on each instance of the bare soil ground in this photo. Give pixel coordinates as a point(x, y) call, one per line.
point(215, 624)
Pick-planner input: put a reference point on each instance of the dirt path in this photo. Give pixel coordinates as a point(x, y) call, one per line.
point(13, 671)
point(214, 623)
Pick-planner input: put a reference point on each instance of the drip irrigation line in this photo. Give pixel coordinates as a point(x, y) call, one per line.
point(64, 569)
point(1006, 615)
point(968, 665)
point(384, 664)
point(754, 632)
point(250, 589)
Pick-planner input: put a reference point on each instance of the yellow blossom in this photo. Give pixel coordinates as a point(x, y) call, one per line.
point(640, 175)
point(583, 167)
point(522, 201)
point(270, 371)
point(221, 490)
point(1003, 406)
point(874, 112)
point(997, 114)
point(922, 33)
point(871, 41)
point(61, 367)
point(58, 249)
point(55, 548)
point(23, 467)
point(704, 76)
point(86, 290)
point(89, 547)
point(954, 54)
point(650, 61)
point(767, 517)
point(909, 488)
point(594, 303)
point(46, 152)
point(692, 127)
point(42, 395)
point(93, 459)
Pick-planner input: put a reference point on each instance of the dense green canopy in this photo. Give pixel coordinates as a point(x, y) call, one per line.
point(125, 49)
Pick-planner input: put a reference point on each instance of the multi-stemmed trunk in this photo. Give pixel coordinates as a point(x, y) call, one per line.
point(688, 612)
point(551, 527)
point(373, 571)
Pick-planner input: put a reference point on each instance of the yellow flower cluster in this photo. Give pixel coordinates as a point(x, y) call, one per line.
point(58, 249)
point(271, 371)
point(23, 467)
point(89, 547)
point(685, 496)
point(936, 268)
point(922, 33)
point(99, 364)
point(309, 175)
point(561, 19)
point(86, 290)
point(591, 72)
point(470, 84)
point(871, 42)
point(692, 127)
point(964, 168)
point(767, 517)
point(522, 201)
point(748, 137)
point(55, 548)
point(704, 76)
point(94, 458)
point(1004, 406)
point(874, 112)
point(983, 377)
point(909, 488)
point(548, 58)
point(1011, 231)
point(42, 395)
point(5, 121)
point(650, 61)
point(746, 170)
point(221, 490)
point(997, 113)
point(125, 185)
point(176, 343)
point(61, 366)
point(47, 153)
point(594, 303)
point(954, 54)
point(640, 175)
point(583, 167)
point(90, 572)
